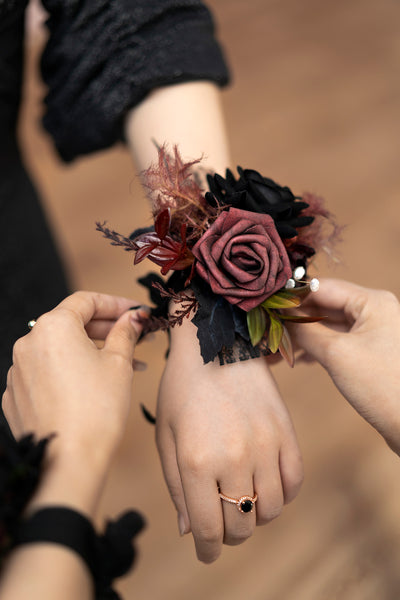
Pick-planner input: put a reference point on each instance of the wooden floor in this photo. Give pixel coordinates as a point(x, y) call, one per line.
point(315, 103)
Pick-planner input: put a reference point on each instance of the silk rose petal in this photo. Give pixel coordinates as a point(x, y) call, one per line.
point(242, 258)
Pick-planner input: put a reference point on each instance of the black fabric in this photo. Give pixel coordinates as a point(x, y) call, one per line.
point(63, 526)
point(104, 56)
point(31, 274)
point(107, 556)
point(20, 469)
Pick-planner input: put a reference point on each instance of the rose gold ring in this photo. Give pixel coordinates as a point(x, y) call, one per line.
point(245, 504)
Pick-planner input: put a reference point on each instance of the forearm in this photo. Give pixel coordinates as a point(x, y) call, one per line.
point(187, 114)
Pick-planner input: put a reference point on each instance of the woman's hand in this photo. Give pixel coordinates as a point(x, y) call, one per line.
point(359, 346)
point(223, 427)
point(62, 383)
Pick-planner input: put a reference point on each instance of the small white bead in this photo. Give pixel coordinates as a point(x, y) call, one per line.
point(314, 285)
point(299, 273)
point(290, 284)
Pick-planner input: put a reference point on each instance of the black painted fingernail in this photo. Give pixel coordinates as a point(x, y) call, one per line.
point(135, 307)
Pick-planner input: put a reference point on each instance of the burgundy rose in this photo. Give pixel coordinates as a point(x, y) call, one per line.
point(242, 258)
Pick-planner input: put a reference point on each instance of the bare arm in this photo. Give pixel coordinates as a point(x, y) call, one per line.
point(216, 426)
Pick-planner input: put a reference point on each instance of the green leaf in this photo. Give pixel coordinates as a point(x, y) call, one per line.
point(286, 347)
point(256, 323)
point(301, 318)
point(281, 300)
point(275, 333)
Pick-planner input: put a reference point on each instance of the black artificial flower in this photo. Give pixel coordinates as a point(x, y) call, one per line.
point(20, 468)
point(255, 193)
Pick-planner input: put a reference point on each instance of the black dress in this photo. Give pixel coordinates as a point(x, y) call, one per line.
point(102, 58)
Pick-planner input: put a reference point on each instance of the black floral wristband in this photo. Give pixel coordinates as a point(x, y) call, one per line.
point(107, 556)
point(242, 248)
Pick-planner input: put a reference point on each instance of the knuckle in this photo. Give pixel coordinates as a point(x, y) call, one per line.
point(207, 537)
point(83, 294)
point(236, 455)
point(294, 477)
point(9, 377)
point(269, 513)
point(5, 402)
point(389, 299)
point(196, 463)
point(238, 536)
point(18, 350)
point(45, 322)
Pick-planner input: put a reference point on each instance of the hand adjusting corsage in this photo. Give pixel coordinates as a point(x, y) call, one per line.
point(238, 253)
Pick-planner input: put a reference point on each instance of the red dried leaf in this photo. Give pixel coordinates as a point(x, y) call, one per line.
point(143, 252)
point(162, 223)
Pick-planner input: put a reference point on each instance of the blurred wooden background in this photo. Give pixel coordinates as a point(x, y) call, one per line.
point(314, 104)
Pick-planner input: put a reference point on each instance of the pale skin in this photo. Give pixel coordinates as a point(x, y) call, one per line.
point(93, 395)
point(217, 427)
point(62, 382)
point(359, 345)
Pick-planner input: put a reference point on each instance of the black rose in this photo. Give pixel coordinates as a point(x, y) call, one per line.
point(255, 193)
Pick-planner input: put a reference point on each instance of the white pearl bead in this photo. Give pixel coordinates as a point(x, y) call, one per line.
point(290, 284)
point(299, 273)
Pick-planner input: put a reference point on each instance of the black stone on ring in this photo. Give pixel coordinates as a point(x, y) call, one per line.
point(245, 504)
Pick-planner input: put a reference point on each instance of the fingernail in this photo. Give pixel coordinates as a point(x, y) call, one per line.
point(181, 525)
point(135, 307)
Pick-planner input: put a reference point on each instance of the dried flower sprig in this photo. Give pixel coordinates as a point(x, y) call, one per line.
point(172, 185)
point(187, 305)
point(116, 239)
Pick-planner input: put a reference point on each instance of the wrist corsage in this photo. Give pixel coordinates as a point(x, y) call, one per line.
point(237, 256)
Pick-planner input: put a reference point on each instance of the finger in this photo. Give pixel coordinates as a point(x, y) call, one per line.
point(339, 295)
point(167, 451)
point(91, 305)
point(98, 329)
point(315, 339)
point(203, 506)
point(291, 468)
point(124, 335)
point(238, 526)
point(268, 485)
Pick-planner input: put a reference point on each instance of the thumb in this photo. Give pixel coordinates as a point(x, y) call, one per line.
point(315, 339)
point(123, 336)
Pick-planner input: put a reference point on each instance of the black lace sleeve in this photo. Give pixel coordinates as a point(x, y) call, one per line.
point(104, 56)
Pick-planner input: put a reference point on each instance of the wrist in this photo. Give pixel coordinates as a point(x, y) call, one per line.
point(72, 479)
